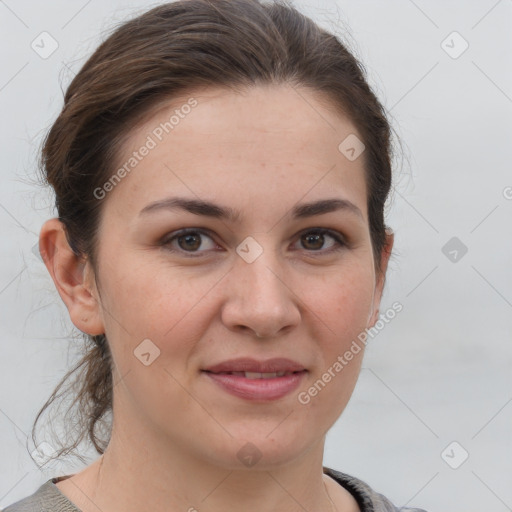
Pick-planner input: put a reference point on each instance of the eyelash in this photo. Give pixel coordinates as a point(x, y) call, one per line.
point(340, 243)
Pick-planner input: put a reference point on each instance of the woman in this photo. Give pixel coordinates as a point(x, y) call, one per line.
point(220, 170)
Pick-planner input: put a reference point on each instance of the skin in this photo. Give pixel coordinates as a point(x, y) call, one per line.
point(260, 152)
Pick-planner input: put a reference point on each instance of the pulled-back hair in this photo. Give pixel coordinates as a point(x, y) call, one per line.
point(146, 62)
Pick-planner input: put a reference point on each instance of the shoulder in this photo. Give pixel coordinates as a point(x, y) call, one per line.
point(47, 498)
point(367, 499)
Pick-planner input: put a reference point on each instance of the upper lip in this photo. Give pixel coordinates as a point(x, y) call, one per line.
point(246, 364)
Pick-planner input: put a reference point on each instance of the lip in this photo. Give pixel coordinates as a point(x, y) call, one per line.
point(257, 389)
point(247, 364)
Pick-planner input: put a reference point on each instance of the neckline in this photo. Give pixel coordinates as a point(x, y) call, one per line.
point(357, 488)
point(349, 483)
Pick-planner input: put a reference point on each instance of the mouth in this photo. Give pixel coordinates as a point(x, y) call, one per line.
point(275, 367)
point(257, 386)
point(256, 375)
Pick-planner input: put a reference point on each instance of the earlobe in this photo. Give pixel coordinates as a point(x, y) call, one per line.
point(72, 277)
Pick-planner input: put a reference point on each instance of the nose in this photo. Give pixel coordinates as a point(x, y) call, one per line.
point(259, 298)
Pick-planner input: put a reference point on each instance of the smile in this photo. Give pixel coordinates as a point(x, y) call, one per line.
point(257, 386)
point(257, 375)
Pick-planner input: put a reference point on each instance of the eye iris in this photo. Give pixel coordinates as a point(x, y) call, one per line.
point(314, 238)
point(189, 240)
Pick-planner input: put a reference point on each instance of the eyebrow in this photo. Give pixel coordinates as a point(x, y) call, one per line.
point(209, 209)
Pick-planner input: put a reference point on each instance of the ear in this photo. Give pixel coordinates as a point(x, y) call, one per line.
point(73, 277)
point(381, 277)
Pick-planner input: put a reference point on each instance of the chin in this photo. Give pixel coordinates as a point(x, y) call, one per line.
point(258, 450)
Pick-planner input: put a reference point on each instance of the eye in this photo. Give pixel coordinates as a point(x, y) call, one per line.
point(314, 240)
point(188, 241)
point(192, 241)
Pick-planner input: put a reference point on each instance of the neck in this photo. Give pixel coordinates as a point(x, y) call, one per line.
point(132, 479)
point(133, 475)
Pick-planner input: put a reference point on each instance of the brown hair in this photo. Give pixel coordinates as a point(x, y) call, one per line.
point(145, 62)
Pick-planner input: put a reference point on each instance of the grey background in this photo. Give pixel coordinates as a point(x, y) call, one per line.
point(441, 370)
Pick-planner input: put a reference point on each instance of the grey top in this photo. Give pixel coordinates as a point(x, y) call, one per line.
point(48, 497)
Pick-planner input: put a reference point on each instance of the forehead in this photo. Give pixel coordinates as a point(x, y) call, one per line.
point(219, 144)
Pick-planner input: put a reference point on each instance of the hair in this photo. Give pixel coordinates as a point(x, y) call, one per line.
point(147, 61)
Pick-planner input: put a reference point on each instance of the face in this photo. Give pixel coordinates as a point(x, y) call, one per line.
point(183, 287)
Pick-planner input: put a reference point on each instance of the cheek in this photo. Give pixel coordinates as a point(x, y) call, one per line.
point(154, 302)
point(339, 310)
point(341, 300)
point(153, 325)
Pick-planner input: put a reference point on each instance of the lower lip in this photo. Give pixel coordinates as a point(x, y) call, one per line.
point(258, 389)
